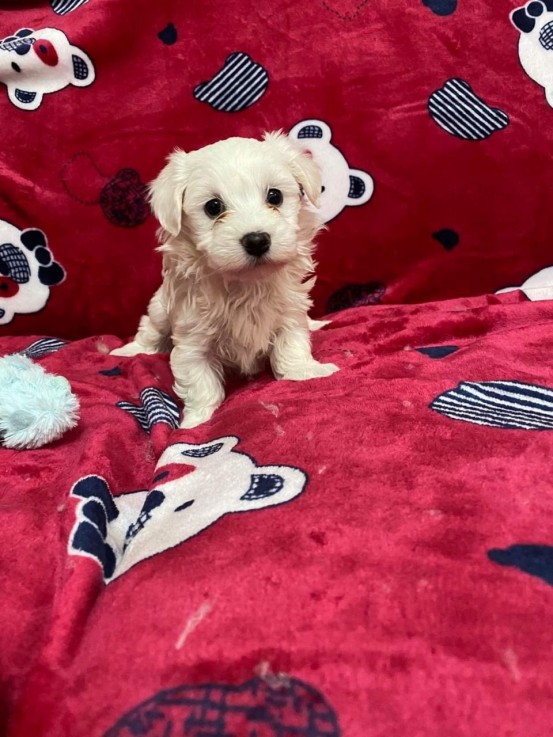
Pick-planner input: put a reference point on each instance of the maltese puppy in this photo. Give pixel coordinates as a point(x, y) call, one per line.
point(237, 235)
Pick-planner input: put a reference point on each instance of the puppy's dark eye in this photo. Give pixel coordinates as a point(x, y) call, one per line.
point(214, 208)
point(274, 197)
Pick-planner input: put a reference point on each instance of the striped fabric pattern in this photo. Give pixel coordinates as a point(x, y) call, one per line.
point(510, 405)
point(460, 112)
point(236, 86)
point(62, 7)
point(43, 347)
point(156, 406)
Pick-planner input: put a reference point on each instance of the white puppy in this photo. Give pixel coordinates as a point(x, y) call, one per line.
point(237, 242)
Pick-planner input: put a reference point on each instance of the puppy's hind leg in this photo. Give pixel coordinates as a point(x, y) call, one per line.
point(154, 331)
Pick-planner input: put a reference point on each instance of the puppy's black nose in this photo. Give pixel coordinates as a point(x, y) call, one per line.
point(256, 244)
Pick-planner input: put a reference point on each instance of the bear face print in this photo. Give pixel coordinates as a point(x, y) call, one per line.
point(27, 271)
point(535, 47)
point(194, 487)
point(36, 63)
point(342, 186)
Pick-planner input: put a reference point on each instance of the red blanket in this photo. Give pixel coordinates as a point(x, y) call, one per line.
point(433, 138)
point(368, 554)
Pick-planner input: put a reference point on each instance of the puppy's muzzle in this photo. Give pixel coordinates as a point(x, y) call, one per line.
point(256, 244)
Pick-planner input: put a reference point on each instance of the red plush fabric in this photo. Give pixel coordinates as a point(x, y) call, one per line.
point(428, 102)
point(366, 554)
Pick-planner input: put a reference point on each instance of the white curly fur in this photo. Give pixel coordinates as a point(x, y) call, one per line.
point(219, 307)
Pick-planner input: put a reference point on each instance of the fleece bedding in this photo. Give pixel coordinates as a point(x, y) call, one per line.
point(367, 554)
point(430, 120)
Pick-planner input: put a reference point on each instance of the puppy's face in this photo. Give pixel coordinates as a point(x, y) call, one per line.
point(239, 201)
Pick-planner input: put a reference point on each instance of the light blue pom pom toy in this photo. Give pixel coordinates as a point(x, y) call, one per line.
point(36, 407)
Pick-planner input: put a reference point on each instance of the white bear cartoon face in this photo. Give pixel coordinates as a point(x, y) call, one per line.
point(537, 287)
point(195, 485)
point(342, 186)
point(535, 47)
point(27, 271)
point(35, 63)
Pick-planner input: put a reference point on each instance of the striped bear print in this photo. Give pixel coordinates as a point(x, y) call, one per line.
point(155, 406)
point(62, 7)
point(238, 85)
point(508, 405)
point(460, 112)
point(43, 347)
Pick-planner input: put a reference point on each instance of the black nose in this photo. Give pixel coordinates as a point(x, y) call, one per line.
point(256, 244)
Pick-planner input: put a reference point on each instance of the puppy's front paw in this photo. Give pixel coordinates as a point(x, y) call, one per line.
point(311, 370)
point(130, 349)
point(194, 417)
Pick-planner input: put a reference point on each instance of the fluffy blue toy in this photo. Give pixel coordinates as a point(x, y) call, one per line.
point(35, 407)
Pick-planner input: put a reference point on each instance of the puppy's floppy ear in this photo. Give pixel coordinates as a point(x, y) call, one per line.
point(167, 192)
point(301, 163)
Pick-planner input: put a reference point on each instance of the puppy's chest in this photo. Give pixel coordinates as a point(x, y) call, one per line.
point(247, 335)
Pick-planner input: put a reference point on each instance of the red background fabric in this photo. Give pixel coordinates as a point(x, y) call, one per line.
point(366, 69)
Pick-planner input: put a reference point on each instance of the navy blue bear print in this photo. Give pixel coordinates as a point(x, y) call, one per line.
point(168, 35)
point(441, 7)
point(438, 351)
point(115, 371)
point(536, 560)
point(447, 237)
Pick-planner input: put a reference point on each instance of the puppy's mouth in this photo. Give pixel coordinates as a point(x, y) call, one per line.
point(260, 262)
point(256, 268)
point(265, 264)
